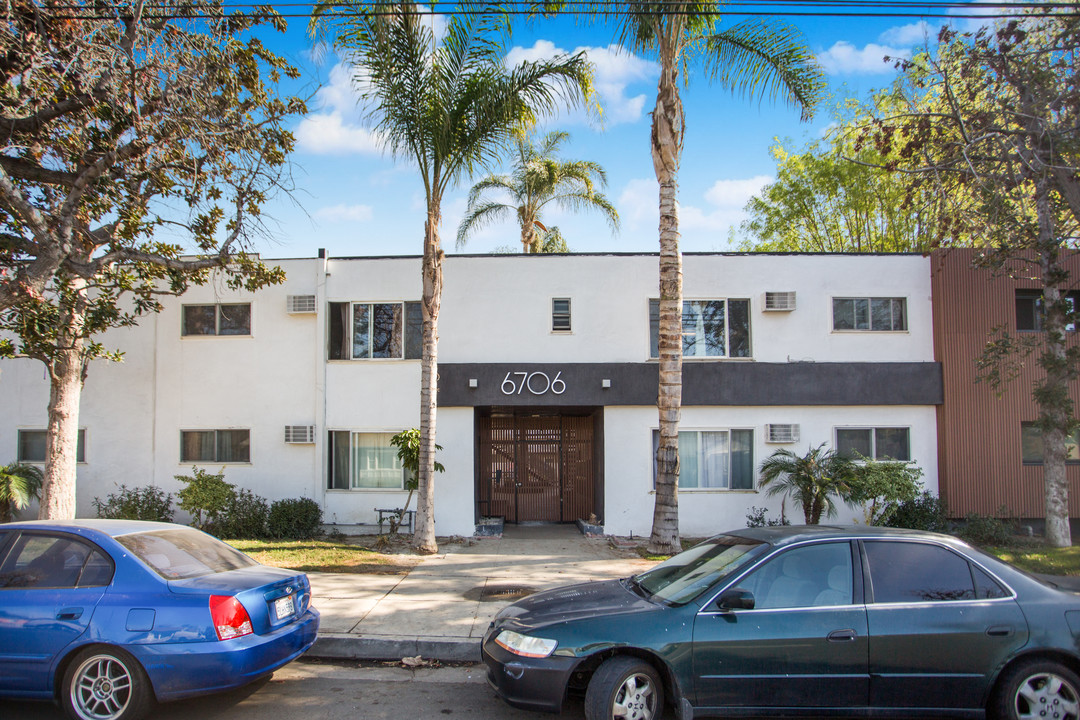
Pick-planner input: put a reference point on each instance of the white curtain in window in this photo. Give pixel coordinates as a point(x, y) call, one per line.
point(715, 460)
point(375, 462)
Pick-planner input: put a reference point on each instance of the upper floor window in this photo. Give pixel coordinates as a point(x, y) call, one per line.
point(713, 459)
point(560, 315)
point(711, 328)
point(878, 443)
point(219, 446)
point(870, 314)
point(32, 446)
point(365, 331)
point(363, 460)
point(232, 319)
point(1031, 445)
point(1031, 310)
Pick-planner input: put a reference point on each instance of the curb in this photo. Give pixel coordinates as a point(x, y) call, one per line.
point(343, 646)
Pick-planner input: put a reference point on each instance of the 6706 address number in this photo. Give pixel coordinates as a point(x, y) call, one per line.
point(536, 383)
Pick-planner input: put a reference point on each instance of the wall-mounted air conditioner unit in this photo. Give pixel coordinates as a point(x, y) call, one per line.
point(299, 434)
point(780, 301)
point(781, 433)
point(296, 304)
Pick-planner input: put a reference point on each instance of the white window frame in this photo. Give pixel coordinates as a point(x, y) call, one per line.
point(351, 481)
point(873, 430)
point(870, 314)
point(216, 446)
point(217, 320)
point(727, 330)
point(79, 446)
point(556, 315)
point(730, 470)
point(350, 324)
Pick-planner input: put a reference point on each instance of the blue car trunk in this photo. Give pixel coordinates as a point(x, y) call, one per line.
point(272, 597)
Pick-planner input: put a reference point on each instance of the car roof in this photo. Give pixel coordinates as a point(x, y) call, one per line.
point(790, 534)
point(112, 528)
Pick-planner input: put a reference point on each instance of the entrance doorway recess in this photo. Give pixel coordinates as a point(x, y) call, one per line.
point(537, 465)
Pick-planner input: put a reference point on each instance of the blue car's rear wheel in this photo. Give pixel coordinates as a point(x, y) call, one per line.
point(103, 683)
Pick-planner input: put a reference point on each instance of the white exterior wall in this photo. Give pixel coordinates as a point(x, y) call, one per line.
point(496, 309)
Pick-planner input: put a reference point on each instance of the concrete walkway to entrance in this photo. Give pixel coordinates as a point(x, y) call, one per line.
point(441, 608)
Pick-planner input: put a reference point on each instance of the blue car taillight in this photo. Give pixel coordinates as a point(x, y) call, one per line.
point(230, 618)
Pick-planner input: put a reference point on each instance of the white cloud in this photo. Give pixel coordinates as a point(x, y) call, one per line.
point(844, 58)
point(735, 193)
point(330, 134)
point(918, 33)
point(344, 213)
point(614, 70)
point(639, 204)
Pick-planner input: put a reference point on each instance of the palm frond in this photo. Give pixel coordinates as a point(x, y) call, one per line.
point(766, 59)
point(480, 216)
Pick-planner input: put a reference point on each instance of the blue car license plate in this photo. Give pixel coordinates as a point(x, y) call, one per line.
point(284, 607)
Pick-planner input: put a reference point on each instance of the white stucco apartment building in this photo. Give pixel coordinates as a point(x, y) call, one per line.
point(547, 384)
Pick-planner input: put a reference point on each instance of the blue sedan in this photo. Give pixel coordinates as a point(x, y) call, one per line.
point(108, 616)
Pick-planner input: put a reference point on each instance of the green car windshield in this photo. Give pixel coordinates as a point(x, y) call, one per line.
point(685, 576)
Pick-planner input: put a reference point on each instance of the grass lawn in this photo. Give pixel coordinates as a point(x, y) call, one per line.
point(1041, 559)
point(352, 556)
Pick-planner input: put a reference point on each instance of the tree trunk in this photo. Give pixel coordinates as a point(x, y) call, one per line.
point(1052, 393)
point(424, 533)
point(67, 371)
point(667, 139)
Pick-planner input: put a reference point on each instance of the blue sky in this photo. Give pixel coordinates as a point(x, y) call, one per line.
point(353, 199)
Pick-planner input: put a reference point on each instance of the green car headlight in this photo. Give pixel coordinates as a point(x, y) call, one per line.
point(525, 645)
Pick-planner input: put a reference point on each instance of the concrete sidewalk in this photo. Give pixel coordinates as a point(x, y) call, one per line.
point(441, 608)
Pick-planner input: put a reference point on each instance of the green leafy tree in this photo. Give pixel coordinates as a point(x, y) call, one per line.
point(538, 179)
point(757, 58)
point(20, 485)
point(813, 481)
point(126, 124)
point(448, 105)
point(988, 121)
point(831, 198)
point(407, 443)
point(882, 487)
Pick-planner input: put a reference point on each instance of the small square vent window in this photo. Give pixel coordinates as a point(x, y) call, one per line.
point(560, 315)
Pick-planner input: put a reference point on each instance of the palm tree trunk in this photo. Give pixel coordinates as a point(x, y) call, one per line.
point(424, 533)
point(667, 139)
point(67, 371)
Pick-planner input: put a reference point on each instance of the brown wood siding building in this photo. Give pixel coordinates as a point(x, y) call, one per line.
point(980, 466)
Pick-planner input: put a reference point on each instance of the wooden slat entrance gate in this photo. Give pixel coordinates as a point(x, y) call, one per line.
point(536, 468)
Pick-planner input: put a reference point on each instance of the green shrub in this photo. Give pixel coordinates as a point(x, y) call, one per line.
point(987, 530)
point(246, 517)
point(925, 512)
point(756, 518)
point(296, 518)
point(146, 503)
point(206, 497)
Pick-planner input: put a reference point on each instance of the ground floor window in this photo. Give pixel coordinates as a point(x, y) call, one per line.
point(32, 446)
point(713, 459)
point(219, 446)
point(363, 460)
point(879, 443)
point(1031, 444)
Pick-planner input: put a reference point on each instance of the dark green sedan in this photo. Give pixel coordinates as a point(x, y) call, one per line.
point(810, 621)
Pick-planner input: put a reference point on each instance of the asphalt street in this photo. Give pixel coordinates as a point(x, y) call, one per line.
point(316, 691)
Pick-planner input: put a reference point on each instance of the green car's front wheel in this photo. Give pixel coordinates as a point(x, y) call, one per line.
point(625, 688)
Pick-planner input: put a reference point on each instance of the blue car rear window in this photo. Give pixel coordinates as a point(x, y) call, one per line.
point(181, 553)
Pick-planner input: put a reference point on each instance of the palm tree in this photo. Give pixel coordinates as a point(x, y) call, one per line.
point(538, 179)
point(20, 484)
point(811, 480)
point(447, 104)
point(755, 58)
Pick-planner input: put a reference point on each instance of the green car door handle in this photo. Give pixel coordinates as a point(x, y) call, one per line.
point(842, 636)
point(999, 631)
